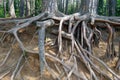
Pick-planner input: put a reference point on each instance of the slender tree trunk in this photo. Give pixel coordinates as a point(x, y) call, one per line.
point(12, 9)
point(32, 6)
point(4, 4)
point(107, 7)
point(60, 4)
point(77, 5)
point(27, 7)
point(111, 7)
point(73, 5)
point(22, 3)
point(63, 5)
point(66, 7)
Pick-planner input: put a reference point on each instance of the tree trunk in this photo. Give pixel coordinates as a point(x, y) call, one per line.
point(63, 6)
point(4, 4)
point(60, 4)
point(33, 6)
point(66, 7)
point(12, 9)
point(50, 6)
point(27, 7)
point(77, 5)
point(84, 7)
point(22, 4)
point(111, 7)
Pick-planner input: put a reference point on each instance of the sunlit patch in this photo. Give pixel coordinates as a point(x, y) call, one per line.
point(35, 49)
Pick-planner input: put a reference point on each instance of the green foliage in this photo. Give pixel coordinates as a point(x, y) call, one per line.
point(118, 8)
point(1, 12)
point(71, 9)
point(16, 2)
point(100, 7)
point(38, 6)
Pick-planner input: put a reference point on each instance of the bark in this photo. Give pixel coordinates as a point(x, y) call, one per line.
point(27, 7)
point(33, 6)
point(22, 4)
point(77, 5)
point(66, 7)
point(84, 7)
point(42, 48)
point(63, 6)
point(111, 7)
point(60, 4)
point(118, 62)
point(50, 6)
point(12, 9)
point(4, 3)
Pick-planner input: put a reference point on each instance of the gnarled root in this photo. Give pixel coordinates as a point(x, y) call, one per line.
point(81, 36)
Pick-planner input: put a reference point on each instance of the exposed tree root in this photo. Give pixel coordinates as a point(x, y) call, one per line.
point(118, 62)
point(6, 57)
point(2, 76)
point(110, 45)
point(16, 69)
point(81, 32)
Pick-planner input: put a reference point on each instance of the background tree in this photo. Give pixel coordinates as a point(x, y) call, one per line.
point(112, 7)
point(4, 7)
point(22, 4)
point(12, 9)
point(27, 8)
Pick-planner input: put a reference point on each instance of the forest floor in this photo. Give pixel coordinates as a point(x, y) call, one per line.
point(30, 67)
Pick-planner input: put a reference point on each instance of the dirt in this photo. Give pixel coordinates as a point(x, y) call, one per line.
point(30, 68)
